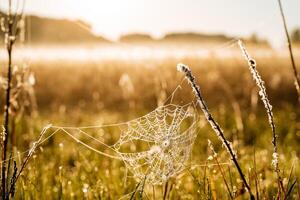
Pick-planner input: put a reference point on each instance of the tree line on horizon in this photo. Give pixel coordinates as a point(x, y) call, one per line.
point(42, 30)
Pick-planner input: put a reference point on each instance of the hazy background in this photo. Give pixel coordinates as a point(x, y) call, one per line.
point(117, 17)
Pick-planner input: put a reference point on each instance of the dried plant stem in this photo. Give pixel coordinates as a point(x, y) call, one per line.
point(10, 30)
point(296, 75)
point(9, 46)
point(196, 89)
point(264, 97)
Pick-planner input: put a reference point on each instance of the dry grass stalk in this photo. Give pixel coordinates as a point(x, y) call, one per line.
point(264, 97)
point(9, 26)
point(8, 29)
point(294, 68)
point(27, 158)
point(215, 126)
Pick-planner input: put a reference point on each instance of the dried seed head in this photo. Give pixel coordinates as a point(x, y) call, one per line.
point(264, 98)
point(183, 68)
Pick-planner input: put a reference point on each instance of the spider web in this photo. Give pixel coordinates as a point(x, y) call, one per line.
point(154, 147)
point(169, 143)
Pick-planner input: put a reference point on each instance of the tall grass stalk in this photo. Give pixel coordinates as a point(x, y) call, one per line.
point(9, 41)
point(294, 68)
point(9, 26)
point(215, 126)
point(264, 98)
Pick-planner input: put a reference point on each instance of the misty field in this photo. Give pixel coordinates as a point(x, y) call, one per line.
point(85, 93)
point(149, 100)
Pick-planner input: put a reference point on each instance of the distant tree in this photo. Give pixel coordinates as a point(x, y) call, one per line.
point(254, 38)
point(296, 35)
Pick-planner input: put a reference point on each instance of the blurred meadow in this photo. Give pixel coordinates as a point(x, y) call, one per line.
point(80, 79)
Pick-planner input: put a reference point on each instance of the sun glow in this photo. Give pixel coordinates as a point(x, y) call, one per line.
point(114, 15)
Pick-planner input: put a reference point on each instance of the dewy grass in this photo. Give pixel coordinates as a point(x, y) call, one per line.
point(264, 97)
point(11, 188)
point(215, 126)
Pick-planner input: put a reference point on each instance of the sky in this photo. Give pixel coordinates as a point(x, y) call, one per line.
point(112, 18)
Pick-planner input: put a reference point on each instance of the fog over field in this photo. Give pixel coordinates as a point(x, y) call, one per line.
point(136, 99)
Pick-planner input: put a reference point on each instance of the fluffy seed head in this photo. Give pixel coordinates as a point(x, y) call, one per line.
point(183, 68)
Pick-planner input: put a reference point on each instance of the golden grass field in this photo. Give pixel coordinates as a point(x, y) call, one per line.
point(91, 93)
